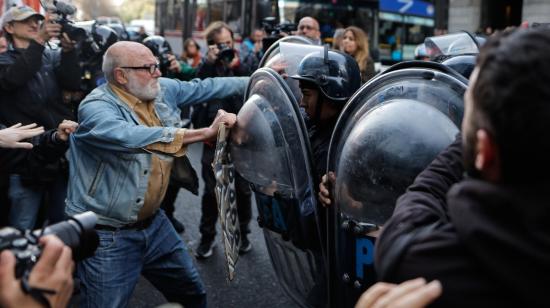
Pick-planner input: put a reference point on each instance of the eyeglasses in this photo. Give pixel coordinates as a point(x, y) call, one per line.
point(151, 67)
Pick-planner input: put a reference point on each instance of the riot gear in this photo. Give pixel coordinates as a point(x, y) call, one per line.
point(335, 74)
point(100, 38)
point(161, 49)
point(389, 131)
point(463, 64)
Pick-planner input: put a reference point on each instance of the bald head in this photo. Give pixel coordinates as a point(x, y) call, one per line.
point(124, 53)
point(309, 27)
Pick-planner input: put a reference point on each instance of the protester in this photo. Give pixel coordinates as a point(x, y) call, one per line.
point(220, 37)
point(356, 44)
point(309, 27)
point(484, 235)
point(415, 293)
point(52, 272)
point(31, 79)
point(120, 158)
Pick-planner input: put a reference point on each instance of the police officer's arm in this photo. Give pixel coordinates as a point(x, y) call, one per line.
point(18, 73)
point(201, 91)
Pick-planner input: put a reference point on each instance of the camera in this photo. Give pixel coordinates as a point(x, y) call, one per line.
point(77, 232)
point(161, 49)
point(63, 9)
point(226, 53)
point(275, 30)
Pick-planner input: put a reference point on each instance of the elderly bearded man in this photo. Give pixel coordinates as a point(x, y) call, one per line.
point(120, 159)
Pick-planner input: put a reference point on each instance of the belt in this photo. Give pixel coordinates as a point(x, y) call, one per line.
point(139, 225)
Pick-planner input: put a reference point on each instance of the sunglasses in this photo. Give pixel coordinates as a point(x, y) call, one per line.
point(151, 67)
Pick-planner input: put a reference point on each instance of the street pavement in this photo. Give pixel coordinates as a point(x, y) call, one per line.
point(255, 284)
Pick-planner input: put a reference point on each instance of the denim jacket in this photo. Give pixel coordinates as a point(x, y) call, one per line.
point(109, 167)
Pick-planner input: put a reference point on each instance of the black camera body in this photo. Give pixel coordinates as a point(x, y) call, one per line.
point(275, 30)
point(164, 63)
point(77, 232)
point(63, 9)
point(226, 53)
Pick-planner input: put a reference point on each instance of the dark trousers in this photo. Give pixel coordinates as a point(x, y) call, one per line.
point(169, 199)
point(209, 205)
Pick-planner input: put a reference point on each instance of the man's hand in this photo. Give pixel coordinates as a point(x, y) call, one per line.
point(229, 119)
point(324, 192)
point(48, 30)
point(53, 271)
point(64, 129)
point(410, 294)
point(10, 137)
point(66, 43)
point(174, 64)
point(212, 54)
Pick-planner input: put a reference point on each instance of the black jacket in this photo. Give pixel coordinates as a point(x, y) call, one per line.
point(489, 245)
point(204, 114)
point(31, 81)
point(32, 163)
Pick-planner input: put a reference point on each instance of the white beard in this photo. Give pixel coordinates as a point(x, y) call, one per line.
point(144, 93)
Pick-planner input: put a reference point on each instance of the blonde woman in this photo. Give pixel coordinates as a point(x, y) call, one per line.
point(356, 44)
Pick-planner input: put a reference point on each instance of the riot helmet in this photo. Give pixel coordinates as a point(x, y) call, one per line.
point(104, 37)
point(98, 41)
point(161, 49)
point(158, 45)
point(335, 74)
point(462, 64)
point(420, 52)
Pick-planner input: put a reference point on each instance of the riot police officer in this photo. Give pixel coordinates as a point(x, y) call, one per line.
point(327, 81)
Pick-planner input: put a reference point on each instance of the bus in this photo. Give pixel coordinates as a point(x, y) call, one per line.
point(394, 27)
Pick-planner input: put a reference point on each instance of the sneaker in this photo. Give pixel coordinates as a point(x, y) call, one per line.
point(178, 226)
point(204, 250)
point(246, 246)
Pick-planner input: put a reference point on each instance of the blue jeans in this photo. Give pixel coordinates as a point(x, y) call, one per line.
point(26, 201)
point(110, 276)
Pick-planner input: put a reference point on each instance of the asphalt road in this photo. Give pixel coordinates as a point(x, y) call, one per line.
point(255, 284)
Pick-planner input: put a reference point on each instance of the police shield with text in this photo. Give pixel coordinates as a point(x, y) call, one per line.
point(387, 132)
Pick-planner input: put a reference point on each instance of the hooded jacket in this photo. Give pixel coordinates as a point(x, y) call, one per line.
point(488, 244)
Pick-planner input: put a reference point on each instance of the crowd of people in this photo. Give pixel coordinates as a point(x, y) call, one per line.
point(472, 225)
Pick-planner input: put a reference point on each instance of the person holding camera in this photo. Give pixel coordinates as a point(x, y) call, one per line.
point(221, 60)
point(31, 79)
point(50, 283)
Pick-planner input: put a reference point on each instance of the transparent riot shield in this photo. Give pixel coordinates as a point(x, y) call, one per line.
point(270, 149)
point(275, 59)
point(389, 131)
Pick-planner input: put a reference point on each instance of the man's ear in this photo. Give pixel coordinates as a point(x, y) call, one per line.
point(487, 156)
point(8, 28)
point(120, 77)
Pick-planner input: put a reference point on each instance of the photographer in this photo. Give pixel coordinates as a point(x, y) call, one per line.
point(31, 79)
point(169, 65)
point(221, 60)
point(52, 272)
